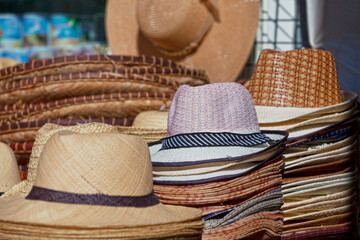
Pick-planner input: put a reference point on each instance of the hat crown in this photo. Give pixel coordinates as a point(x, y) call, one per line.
point(173, 25)
point(9, 172)
point(151, 119)
point(218, 107)
point(297, 78)
point(97, 163)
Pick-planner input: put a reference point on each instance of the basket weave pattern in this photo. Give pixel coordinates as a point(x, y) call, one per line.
point(298, 78)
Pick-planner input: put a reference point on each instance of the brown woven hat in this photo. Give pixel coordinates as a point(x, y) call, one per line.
point(98, 180)
point(9, 172)
point(297, 83)
point(86, 63)
point(207, 34)
point(117, 105)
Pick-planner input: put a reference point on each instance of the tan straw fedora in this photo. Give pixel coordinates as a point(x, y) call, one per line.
point(216, 35)
point(98, 180)
point(293, 84)
point(43, 135)
point(9, 172)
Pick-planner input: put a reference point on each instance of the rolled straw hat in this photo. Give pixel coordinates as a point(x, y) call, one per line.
point(297, 84)
point(210, 123)
point(208, 34)
point(44, 133)
point(99, 180)
point(9, 171)
point(117, 105)
point(85, 63)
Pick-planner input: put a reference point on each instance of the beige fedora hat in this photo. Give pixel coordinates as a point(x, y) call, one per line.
point(97, 180)
point(9, 172)
point(43, 135)
point(216, 35)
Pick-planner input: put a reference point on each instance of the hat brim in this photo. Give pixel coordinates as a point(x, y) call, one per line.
point(230, 172)
point(268, 114)
point(201, 155)
point(230, 40)
point(92, 216)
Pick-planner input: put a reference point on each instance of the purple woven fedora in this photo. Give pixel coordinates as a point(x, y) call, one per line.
point(214, 122)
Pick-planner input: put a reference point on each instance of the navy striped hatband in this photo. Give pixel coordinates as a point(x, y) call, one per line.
point(207, 139)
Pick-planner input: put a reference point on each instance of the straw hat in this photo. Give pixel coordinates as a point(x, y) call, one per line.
point(334, 219)
point(7, 62)
point(93, 181)
point(326, 232)
point(212, 35)
point(271, 220)
point(82, 63)
point(17, 131)
point(268, 202)
point(118, 105)
point(43, 135)
point(297, 84)
point(210, 123)
point(9, 172)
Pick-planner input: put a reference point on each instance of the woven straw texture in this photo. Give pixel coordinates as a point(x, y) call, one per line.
point(12, 132)
point(9, 173)
point(218, 107)
point(42, 136)
point(245, 226)
point(212, 35)
point(72, 163)
point(120, 105)
point(297, 78)
point(85, 63)
point(46, 88)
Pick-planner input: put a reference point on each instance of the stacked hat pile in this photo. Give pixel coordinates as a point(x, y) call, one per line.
point(298, 91)
point(93, 183)
point(216, 159)
point(80, 89)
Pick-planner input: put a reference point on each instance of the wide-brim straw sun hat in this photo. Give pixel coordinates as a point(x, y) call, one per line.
point(284, 88)
point(212, 35)
point(210, 123)
point(9, 171)
point(43, 135)
point(93, 181)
